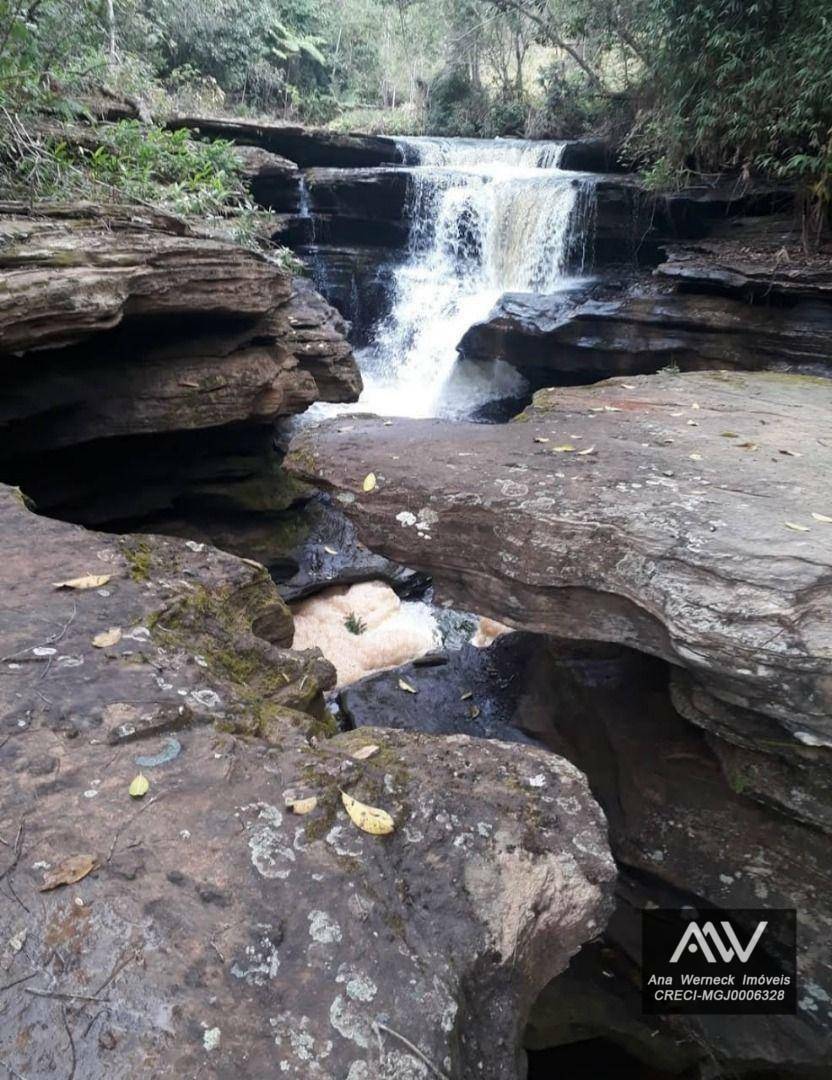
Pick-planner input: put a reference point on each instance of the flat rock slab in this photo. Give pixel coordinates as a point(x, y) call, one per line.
point(670, 513)
point(207, 928)
point(305, 146)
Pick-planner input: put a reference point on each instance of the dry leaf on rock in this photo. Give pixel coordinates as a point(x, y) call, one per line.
point(139, 787)
point(330, 550)
point(89, 581)
point(369, 482)
point(303, 806)
point(364, 752)
point(795, 527)
point(107, 638)
point(68, 871)
point(404, 685)
point(369, 819)
point(564, 449)
point(822, 517)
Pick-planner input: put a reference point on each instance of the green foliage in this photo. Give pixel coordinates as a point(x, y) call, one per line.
point(135, 162)
point(355, 624)
point(742, 86)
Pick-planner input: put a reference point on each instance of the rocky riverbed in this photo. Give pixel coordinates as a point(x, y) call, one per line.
point(654, 527)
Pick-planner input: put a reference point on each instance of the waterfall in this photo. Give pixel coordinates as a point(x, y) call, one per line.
point(486, 217)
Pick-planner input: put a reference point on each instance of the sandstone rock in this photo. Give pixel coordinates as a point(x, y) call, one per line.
point(305, 146)
point(218, 931)
point(358, 280)
point(72, 271)
point(316, 336)
point(756, 259)
point(326, 551)
point(369, 194)
point(689, 824)
point(626, 223)
point(274, 181)
point(606, 330)
point(685, 531)
point(194, 343)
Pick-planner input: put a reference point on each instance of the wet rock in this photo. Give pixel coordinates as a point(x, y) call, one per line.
point(274, 181)
point(217, 930)
point(591, 155)
point(640, 328)
point(316, 336)
point(493, 693)
point(305, 146)
point(685, 530)
point(327, 552)
point(369, 194)
point(358, 280)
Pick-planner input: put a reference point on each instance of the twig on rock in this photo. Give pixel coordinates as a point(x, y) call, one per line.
point(413, 1049)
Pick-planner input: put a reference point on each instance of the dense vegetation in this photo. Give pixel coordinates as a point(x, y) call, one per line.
point(693, 86)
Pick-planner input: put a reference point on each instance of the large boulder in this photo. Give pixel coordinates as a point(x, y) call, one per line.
point(305, 146)
point(208, 927)
point(671, 513)
point(635, 329)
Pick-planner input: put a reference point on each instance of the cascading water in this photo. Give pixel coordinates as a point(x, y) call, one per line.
point(487, 217)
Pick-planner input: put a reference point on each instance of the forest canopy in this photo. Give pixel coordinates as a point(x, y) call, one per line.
point(687, 87)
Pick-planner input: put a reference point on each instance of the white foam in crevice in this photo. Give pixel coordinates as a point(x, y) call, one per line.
point(396, 631)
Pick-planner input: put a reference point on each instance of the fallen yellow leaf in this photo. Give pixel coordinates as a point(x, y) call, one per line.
point(565, 449)
point(589, 450)
point(822, 517)
point(107, 638)
point(368, 818)
point(139, 786)
point(404, 685)
point(90, 581)
point(68, 871)
point(330, 550)
point(364, 752)
point(369, 482)
point(467, 695)
point(795, 527)
point(303, 806)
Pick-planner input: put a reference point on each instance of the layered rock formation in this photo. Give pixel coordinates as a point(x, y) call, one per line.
point(208, 927)
point(683, 516)
point(305, 146)
point(146, 366)
point(746, 298)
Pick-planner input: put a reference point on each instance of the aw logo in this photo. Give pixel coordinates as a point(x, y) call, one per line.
point(706, 938)
point(729, 961)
